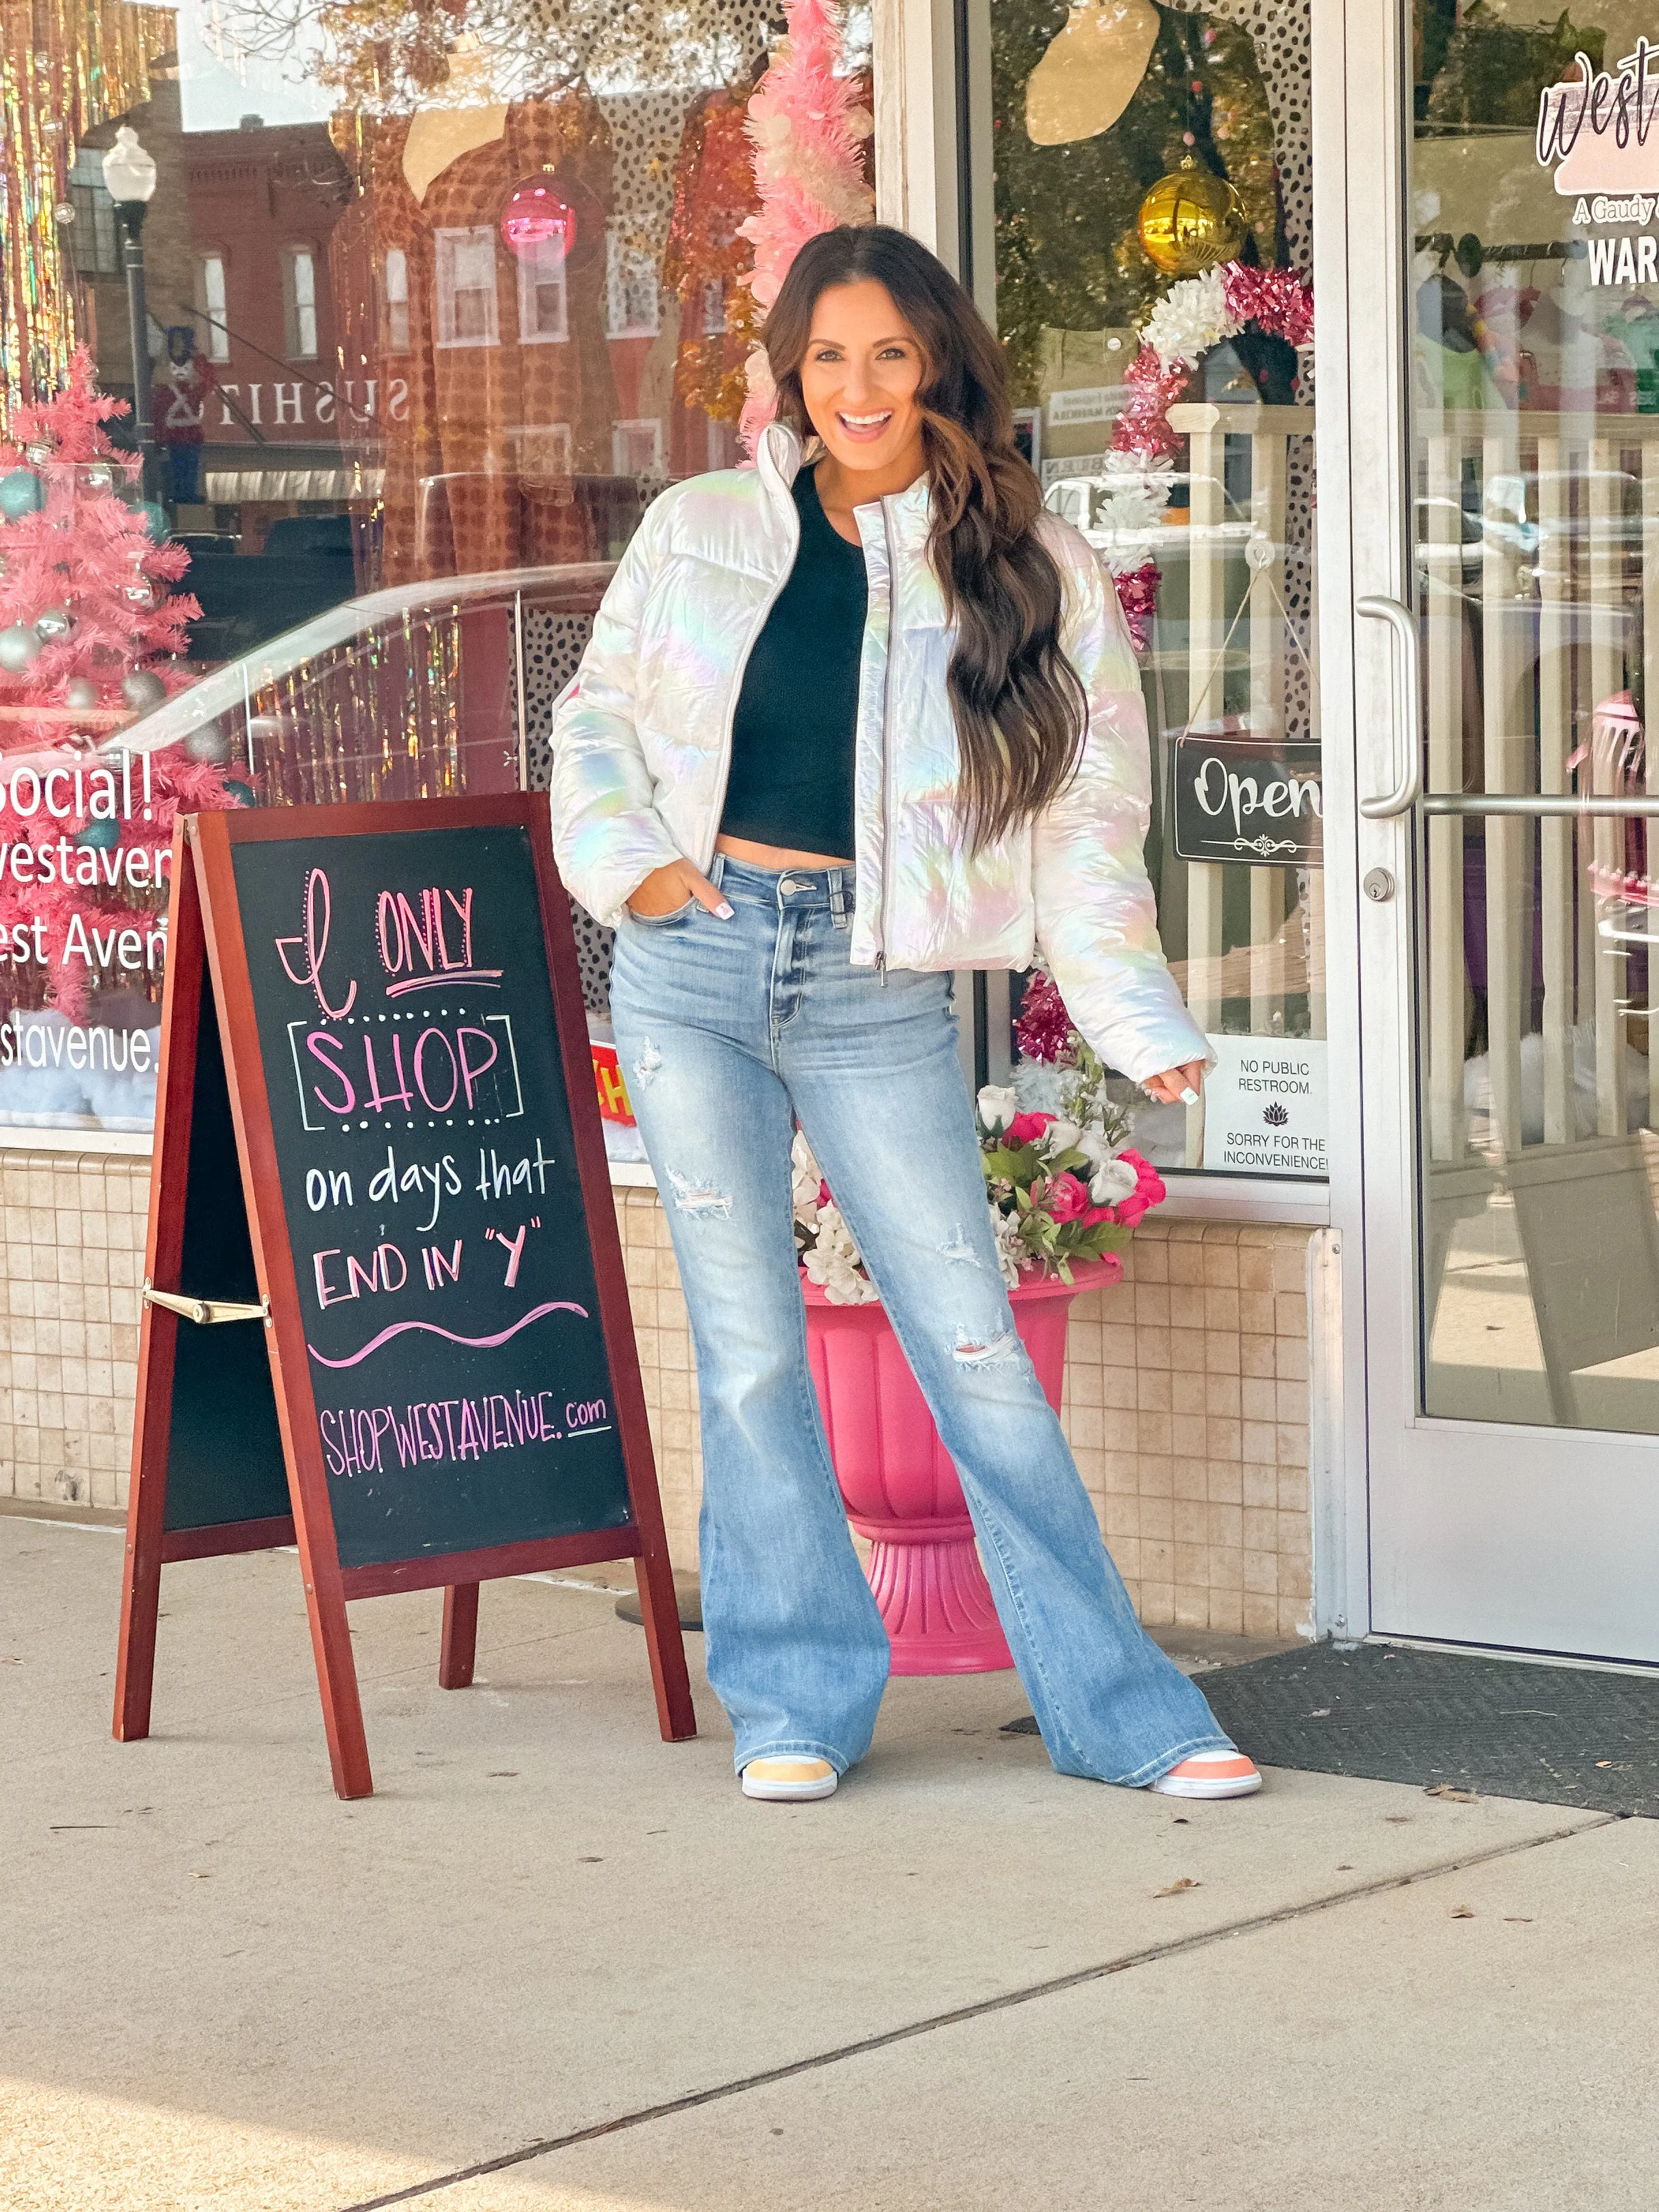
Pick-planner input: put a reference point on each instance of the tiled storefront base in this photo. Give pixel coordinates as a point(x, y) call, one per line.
point(1185, 1393)
point(72, 1261)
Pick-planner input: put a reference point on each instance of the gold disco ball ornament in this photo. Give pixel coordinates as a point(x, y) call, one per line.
point(1191, 220)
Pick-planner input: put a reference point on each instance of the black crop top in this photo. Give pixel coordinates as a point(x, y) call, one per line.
point(791, 782)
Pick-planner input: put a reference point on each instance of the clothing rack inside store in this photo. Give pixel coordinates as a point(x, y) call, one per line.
point(1560, 249)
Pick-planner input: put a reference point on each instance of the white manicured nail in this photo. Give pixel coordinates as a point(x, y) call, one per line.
point(1189, 1096)
point(724, 911)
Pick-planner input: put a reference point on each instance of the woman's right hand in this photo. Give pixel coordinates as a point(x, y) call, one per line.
point(665, 889)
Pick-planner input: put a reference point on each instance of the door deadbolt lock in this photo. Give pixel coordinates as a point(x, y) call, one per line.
point(1378, 883)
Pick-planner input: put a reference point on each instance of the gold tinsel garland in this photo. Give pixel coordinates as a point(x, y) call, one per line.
point(65, 66)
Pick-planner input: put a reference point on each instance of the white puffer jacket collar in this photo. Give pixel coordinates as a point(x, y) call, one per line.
point(641, 746)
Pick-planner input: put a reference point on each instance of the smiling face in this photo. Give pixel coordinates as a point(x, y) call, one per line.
point(860, 379)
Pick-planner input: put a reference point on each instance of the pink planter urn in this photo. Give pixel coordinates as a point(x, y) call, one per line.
point(902, 1490)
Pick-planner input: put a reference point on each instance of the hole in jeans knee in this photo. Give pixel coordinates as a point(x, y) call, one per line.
point(959, 1247)
point(703, 1199)
point(971, 1352)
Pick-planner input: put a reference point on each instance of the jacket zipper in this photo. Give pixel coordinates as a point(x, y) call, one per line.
point(886, 754)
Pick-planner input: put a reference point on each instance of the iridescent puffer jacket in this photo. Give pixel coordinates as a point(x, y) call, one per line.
point(643, 740)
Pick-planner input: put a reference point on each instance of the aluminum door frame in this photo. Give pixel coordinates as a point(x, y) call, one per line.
point(1451, 1531)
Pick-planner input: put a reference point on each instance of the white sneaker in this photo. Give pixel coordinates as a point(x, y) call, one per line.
point(1211, 1774)
point(786, 1780)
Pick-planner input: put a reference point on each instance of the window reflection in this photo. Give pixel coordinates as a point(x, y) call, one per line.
point(1534, 318)
point(433, 297)
point(1112, 126)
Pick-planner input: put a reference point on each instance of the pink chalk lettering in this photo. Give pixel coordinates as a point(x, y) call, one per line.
point(315, 941)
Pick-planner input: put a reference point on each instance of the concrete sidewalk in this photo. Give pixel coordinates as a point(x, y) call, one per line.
point(963, 1982)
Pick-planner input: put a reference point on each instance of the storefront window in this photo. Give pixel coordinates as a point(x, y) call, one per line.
point(437, 301)
point(1148, 181)
point(1534, 309)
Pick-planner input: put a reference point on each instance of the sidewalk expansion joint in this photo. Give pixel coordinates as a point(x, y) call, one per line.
point(1152, 1955)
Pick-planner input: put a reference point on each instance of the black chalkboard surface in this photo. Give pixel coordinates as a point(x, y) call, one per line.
point(224, 1449)
point(429, 1175)
point(380, 1166)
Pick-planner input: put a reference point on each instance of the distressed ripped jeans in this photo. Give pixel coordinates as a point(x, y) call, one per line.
point(725, 1029)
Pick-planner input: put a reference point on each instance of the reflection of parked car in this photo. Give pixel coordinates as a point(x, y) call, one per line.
point(1136, 513)
point(305, 566)
point(1455, 535)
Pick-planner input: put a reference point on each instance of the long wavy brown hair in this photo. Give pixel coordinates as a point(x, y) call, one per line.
point(1018, 704)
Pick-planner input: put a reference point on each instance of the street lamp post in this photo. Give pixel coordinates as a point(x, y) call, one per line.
point(129, 179)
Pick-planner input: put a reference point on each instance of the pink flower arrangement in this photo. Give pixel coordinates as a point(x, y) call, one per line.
point(1062, 1187)
point(1061, 1191)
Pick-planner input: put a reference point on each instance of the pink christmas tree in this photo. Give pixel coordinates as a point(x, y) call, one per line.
point(807, 124)
point(91, 636)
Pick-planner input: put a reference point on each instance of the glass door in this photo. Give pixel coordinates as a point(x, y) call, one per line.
point(1505, 802)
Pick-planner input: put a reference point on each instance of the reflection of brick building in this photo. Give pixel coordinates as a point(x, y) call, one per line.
point(263, 202)
point(235, 250)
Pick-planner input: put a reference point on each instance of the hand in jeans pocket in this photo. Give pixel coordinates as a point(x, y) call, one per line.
point(667, 893)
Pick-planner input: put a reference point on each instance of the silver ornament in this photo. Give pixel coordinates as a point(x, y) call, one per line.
point(210, 742)
point(143, 690)
point(54, 622)
point(139, 595)
point(19, 647)
point(81, 693)
point(63, 214)
point(38, 456)
point(98, 476)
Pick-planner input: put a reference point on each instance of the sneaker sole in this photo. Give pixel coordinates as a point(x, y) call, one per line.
point(784, 1793)
point(1184, 1787)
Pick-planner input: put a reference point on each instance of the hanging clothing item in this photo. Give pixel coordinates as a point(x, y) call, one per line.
point(1571, 367)
point(1637, 329)
point(508, 400)
point(1496, 319)
point(1449, 368)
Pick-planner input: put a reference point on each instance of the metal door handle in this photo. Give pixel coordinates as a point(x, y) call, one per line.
point(1403, 623)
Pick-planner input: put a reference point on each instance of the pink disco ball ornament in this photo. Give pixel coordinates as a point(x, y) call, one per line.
point(536, 216)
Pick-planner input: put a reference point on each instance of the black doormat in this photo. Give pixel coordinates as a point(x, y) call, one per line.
point(1554, 1736)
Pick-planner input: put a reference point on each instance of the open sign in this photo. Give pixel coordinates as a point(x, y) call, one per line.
point(1250, 804)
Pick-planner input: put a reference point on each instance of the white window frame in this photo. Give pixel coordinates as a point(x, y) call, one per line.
point(297, 308)
point(547, 449)
point(394, 300)
point(621, 433)
point(632, 283)
point(448, 247)
point(541, 264)
point(214, 314)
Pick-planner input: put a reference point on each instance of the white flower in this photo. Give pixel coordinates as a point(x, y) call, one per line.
point(997, 1105)
point(1062, 1136)
point(833, 1263)
point(1011, 1248)
point(1094, 1146)
point(1116, 1179)
point(805, 1179)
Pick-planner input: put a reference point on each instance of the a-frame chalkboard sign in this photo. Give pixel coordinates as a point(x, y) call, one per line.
point(385, 1316)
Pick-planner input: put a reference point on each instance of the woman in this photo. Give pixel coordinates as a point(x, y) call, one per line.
point(848, 720)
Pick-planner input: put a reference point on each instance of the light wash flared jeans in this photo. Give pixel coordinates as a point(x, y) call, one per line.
point(726, 1031)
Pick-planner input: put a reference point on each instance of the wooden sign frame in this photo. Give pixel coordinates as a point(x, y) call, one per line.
point(207, 961)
